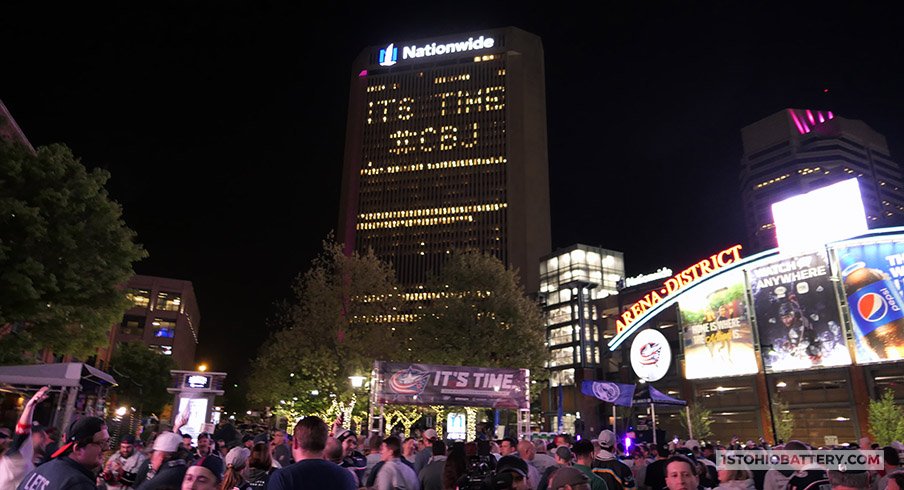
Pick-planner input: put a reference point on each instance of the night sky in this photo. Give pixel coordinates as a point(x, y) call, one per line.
point(223, 123)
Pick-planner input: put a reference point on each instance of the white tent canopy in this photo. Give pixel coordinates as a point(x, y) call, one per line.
point(68, 378)
point(63, 375)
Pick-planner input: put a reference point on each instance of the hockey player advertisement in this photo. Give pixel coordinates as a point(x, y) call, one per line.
point(871, 274)
point(797, 314)
point(716, 329)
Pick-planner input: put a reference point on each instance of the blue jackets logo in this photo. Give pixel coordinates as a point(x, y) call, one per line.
point(389, 56)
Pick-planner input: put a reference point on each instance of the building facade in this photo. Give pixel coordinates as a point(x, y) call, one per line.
point(164, 315)
point(573, 282)
point(445, 150)
point(796, 150)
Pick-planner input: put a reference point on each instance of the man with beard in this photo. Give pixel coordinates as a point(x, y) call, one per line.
point(122, 467)
point(74, 465)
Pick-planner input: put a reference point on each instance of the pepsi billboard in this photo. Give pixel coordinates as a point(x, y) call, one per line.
point(871, 274)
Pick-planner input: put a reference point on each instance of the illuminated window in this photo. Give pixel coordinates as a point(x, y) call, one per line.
point(139, 297)
point(166, 350)
point(169, 301)
point(164, 328)
point(132, 325)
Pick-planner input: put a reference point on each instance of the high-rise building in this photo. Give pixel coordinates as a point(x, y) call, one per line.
point(573, 282)
point(163, 315)
point(795, 150)
point(445, 150)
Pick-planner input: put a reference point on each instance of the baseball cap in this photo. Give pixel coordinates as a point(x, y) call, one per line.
point(214, 464)
point(128, 439)
point(692, 443)
point(345, 434)
point(606, 438)
point(567, 475)
point(564, 453)
point(512, 464)
point(430, 434)
point(79, 430)
point(237, 456)
point(167, 442)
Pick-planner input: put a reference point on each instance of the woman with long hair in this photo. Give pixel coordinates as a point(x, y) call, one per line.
point(259, 467)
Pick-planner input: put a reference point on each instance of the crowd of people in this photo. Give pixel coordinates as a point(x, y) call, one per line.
point(316, 456)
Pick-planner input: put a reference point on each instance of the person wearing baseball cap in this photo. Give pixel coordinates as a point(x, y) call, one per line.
point(167, 463)
point(74, 465)
point(616, 474)
point(568, 478)
point(423, 456)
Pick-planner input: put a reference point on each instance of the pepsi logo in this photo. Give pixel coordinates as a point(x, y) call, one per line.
point(872, 307)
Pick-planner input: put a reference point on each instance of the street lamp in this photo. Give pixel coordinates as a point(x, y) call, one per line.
point(357, 381)
point(202, 367)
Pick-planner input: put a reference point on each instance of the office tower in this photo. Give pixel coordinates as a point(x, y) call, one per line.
point(573, 283)
point(797, 150)
point(446, 150)
point(163, 315)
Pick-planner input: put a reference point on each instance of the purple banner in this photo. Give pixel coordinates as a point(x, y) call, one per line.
point(431, 384)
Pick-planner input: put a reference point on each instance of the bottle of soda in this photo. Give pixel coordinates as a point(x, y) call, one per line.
point(877, 309)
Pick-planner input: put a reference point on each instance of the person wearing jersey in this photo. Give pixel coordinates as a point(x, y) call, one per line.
point(606, 465)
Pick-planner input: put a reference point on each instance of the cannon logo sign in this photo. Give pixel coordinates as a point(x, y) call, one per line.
point(428, 384)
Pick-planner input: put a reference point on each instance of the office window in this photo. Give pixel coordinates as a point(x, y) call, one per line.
point(164, 328)
point(166, 350)
point(132, 325)
point(169, 301)
point(139, 297)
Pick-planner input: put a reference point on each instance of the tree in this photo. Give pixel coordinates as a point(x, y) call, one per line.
point(341, 319)
point(886, 419)
point(143, 376)
point(701, 419)
point(64, 250)
point(783, 419)
point(480, 317)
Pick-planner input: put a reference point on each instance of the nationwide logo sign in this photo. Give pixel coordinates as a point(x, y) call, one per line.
point(390, 54)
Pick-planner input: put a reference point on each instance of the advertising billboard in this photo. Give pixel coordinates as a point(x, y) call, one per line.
point(651, 355)
point(716, 330)
point(871, 273)
point(430, 384)
point(809, 221)
point(797, 314)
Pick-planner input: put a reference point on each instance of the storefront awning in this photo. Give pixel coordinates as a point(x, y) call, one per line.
point(53, 375)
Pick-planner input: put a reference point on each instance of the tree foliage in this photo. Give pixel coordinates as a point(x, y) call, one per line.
point(64, 249)
point(783, 418)
point(143, 376)
point(335, 326)
point(481, 318)
point(886, 419)
point(701, 420)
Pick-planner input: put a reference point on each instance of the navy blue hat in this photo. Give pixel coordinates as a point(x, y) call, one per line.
point(214, 464)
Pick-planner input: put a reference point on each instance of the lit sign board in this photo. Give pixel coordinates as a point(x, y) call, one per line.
point(808, 221)
point(197, 381)
point(662, 273)
point(650, 355)
point(676, 283)
point(390, 54)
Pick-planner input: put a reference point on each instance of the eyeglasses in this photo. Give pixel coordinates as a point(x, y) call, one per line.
point(105, 444)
